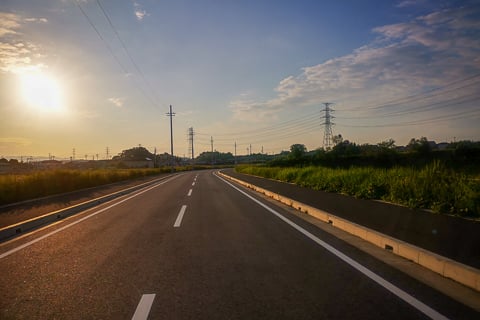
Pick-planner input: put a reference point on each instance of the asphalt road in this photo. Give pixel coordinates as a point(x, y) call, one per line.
point(195, 247)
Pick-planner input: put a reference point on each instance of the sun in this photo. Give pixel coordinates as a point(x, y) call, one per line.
point(41, 91)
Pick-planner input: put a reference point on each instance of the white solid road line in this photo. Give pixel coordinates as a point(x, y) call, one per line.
point(417, 304)
point(180, 217)
point(189, 192)
point(3, 255)
point(144, 306)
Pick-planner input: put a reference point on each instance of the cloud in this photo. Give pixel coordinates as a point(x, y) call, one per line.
point(140, 13)
point(39, 20)
point(16, 54)
point(410, 3)
point(406, 58)
point(117, 101)
point(9, 23)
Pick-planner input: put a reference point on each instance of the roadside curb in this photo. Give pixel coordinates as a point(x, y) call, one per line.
point(22, 227)
point(446, 267)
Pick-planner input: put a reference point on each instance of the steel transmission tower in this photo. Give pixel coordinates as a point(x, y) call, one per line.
point(328, 135)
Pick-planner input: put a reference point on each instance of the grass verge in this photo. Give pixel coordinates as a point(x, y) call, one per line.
point(432, 187)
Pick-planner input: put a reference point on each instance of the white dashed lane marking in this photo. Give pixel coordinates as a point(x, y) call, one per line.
point(178, 222)
point(143, 308)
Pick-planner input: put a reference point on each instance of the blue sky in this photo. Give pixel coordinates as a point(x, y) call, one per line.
point(251, 72)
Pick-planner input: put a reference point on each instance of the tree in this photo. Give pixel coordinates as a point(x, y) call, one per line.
point(387, 144)
point(420, 146)
point(297, 151)
point(136, 153)
point(337, 139)
point(346, 148)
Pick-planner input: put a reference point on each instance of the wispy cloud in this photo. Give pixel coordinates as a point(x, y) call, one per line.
point(410, 3)
point(406, 58)
point(139, 11)
point(39, 20)
point(9, 23)
point(16, 53)
point(117, 101)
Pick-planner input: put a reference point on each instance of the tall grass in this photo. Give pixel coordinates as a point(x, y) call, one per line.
point(433, 187)
point(15, 188)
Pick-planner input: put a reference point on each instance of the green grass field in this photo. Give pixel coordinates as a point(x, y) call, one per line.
point(432, 187)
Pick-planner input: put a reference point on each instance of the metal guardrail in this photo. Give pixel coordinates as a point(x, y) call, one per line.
point(11, 231)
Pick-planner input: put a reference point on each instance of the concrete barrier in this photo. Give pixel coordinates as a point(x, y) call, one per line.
point(444, 266)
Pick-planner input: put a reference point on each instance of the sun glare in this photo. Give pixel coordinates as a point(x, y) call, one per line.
point(41, 92)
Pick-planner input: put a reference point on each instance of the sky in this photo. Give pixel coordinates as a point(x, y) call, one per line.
point(81, 76)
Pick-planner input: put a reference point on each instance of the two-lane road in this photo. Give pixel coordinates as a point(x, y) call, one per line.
point(196, 247)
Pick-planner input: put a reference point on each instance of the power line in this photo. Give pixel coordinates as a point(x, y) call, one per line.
point(457, 116)
point(308, 123)
point(424, 108)
point(110, 50)
point(275, 127)
point(413, 98)
point(125, 48)
point(423, 95)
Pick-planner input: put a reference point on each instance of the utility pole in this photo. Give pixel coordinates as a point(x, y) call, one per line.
point(250, 149)
point(235, 158)
point(171, 115)
point(190, 139)
point(211, 143)
point(155, 157)
point(73, 154)
point(328, 135)
point(108, 153)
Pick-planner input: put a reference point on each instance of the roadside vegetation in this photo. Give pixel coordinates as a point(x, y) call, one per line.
point(41, 183)
point(19, 187)
point(28, 181)
point(447, 182)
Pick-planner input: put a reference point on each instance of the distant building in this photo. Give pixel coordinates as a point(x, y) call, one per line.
point(432, 144)
point(442, 145)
